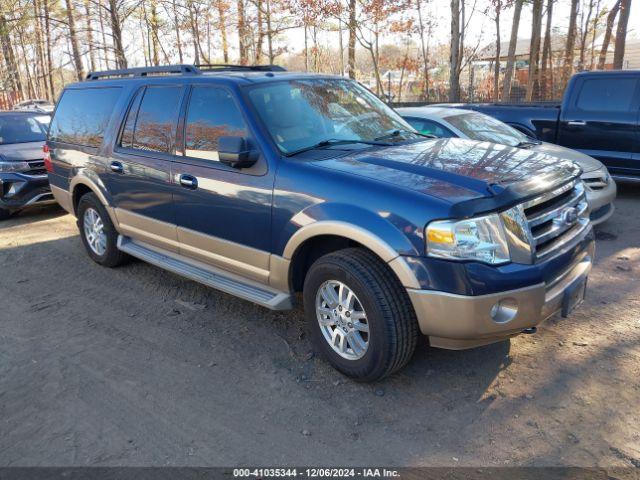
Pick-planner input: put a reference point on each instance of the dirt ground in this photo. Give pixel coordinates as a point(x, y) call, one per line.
point(136, 366)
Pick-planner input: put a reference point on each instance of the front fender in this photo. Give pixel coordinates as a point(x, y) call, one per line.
point(368, 228)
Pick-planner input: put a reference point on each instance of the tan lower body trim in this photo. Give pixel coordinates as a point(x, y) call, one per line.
point(140, 227)
point(246, 261)
point(63, 198)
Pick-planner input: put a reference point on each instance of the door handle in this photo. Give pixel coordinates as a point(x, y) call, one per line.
point(188, 181)
point(117, 167)
point(576, 123)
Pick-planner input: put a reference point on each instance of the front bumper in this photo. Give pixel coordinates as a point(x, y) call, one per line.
point(459, 321)
point(18, 191)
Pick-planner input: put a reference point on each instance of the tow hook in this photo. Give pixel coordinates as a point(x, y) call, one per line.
point(530, 330)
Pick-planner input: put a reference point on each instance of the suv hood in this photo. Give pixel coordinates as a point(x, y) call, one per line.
point(456, 170)
point(20, 152)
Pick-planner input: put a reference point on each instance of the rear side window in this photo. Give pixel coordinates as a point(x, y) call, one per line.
point(82, 115)
point(607, 94)
point(212, 114)
point(151, 125)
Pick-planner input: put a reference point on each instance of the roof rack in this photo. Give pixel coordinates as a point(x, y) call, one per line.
point(216, 67)
point(180, 70)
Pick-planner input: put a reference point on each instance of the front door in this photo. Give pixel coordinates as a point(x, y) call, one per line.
point(139, 170)
point(601, 119)
point(223, 214)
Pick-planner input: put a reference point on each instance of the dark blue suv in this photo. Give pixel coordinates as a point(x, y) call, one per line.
point(264, 183)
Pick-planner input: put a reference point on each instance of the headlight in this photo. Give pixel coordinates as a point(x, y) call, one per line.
point(8, 167)
point(482, 239)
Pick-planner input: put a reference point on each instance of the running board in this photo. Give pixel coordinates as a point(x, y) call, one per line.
point(210, 276)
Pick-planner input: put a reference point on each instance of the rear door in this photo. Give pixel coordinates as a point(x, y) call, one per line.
point(600, 118)
point(139, 171)
point(223, 214)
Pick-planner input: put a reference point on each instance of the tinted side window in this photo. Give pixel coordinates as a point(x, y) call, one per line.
point(212, 114)
point(607, 94)
point(126, 140)
point(82, 115)
point(157, 118)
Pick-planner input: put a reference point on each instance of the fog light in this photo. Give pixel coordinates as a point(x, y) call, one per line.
point(504, 310)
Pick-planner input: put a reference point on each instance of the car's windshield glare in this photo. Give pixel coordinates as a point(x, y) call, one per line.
point(23, 128)
point(478, 126)
point(302, 113)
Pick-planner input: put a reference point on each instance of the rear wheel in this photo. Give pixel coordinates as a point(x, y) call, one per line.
point(98, 234)
point(359, 315)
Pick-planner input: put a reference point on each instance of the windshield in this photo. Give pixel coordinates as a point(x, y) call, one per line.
point(302, 113)
point(23, 128)
point(478, 126)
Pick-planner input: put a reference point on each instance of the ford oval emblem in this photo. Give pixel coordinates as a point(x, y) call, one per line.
point(569, 215)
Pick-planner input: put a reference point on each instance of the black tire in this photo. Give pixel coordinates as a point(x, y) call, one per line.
point(112, 257)
point(4, 214)
point(393, 328)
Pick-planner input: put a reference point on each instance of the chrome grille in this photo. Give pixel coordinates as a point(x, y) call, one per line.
point(36, 167)
point(556, 217)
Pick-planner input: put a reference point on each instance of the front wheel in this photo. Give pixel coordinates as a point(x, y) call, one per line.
point(359, 315)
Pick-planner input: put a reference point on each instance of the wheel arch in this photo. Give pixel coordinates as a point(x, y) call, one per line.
point(320, 238)
point(81, 185)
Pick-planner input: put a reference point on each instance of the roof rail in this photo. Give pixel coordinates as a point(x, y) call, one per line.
point(217, 67)
point(145, 71)
point(181, 70)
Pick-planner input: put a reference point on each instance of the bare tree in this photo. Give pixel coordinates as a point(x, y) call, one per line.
point(567, 68)
point(533, 82)
point(547, 60)
point(611, 18)
point(455, 54)
point(73, 38)
point(621, 34)
point(511, 55)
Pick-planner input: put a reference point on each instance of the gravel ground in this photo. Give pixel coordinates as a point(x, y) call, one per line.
point(136, 366)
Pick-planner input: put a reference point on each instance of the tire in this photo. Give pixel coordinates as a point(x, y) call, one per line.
point(4, 214)
point(392, 328)
point(107, 254)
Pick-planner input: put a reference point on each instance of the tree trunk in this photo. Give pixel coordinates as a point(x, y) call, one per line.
point(155, 43)
point(116, 31)
point(41, 70)
point(260, 40)
point(105, 48)
point(351, 59)
point(496, 67)
point(621, 35)
point(242, 33)
point(533, 84)
point(547, 62)
point(454, 55)
point(47, 40)
point(425, 55)
point(511, 55)
point(567, 67)
point(73, 37)
point(9, 58)
point(91, 46)
point(583, 37)
point(611, 18)
point(269, 32)
point(176, 24)
point(222, 25)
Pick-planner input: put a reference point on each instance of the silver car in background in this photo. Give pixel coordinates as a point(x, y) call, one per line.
point(455, 122)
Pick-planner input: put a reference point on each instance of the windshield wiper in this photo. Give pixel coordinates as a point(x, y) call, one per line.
point(528, 143)
point(335, 141)
point(397, 133)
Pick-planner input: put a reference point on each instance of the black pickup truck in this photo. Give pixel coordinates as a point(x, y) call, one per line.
point(599, 116)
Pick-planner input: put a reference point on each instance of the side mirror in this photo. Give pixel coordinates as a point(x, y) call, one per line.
point(236, 152)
